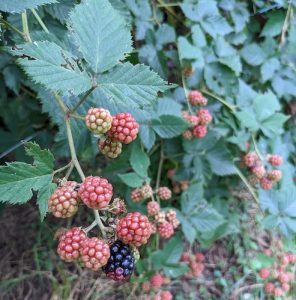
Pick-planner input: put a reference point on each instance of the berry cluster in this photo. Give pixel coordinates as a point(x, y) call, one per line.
point(195, 264)
point(146, 192)
point(261, 174)
point(153, 286)
point(278, 278)
point(114, 130)
point(200, 120)
point(132, 230)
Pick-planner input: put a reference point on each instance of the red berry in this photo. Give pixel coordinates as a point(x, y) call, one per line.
point(187, 135)
point(284, 278)
point(286, 287)
point(250, 159)
point(156, 281)
point(124, 128)
point(196, 98)
point(185, 257)
point(196, 268)
point(96, 192)
point(136, 195)
point(164, 193)
point(64, 202)
point(258, 171)
point(146, 191)
point(291, 257)
point(110, 148)
point(200, 131)
point(275, 160)
point(153, 208)
point(134, 229)
point(269, 288)
point(165, 230)
point(171, 215)
point(274, 175)
point(278, 292)
point(285, 260)
point(146, 287)
point(199, 257)
point(70, 243)
point(166, 295)
point(264, 273)
point(160, 217)
point(265, 183)
point(192, 120)
point(98, 120)
point(204, 117)
point(94, 253)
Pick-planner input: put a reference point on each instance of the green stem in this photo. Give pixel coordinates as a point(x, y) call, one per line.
point(231, 107)
point(39, 20)
point(99, 222)
point(69, 171)
point(13, 28)
point(256, 147)
point(159, 170)
point(60, 103)
point(76, 116)
point(90, 227)
point(27, 36)
point(83, 98)
point(286, 24)
point(63, 168)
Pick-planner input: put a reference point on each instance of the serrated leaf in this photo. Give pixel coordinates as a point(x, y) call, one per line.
point(17, 6)
point(248, 119)
point(135, 86)
point(269, 68)
point(18, 180)
point(147, 136)
point(139, 161)
point(131, 179)
point(253, 54)
point(169, 126)
point(53, 67)
point(42, 198)
point(265, 105)
point(274, 124)
point(167, 106)
point(274, 24)
point(61, 10)
point(101, 34)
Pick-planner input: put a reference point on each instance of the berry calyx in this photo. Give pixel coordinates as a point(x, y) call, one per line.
point(110, 148)
point(64, 202)
point(70, 243)
point(134, 229)
point(265, 183)
point(274, 175)
point(94, 253)
point(98, 120)
point(121, 262)
point(264, 273)
point(96, 192)
point(124, 128)
point(200, 131)
point(153, 208)
point(164, 193)
point(275, 160)
point(204, 117)
point(196, 98)
point(165, 230)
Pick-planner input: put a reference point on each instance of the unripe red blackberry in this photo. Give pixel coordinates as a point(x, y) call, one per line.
point(274, 175)
point(160, 217)
point(94, 253)
point(193, 120)
point(184, 184)
point(200, 131)
point(96, 192)
point(284, 260)
point(110, 148)
point(146, 191)
point(291, 257)
point(153, 208)
point(264, 273)
point(269, 288)
point(196, 98)
point(204, 117)
point(165, 230)
point(171, 215)
point(166, 295)
point(278, 292)
point(284, 278)
point(164, 193)
point(134, 229)
point(199, 257)
point(70, 243)
point(156, 281)
point(64, 202)
point(124, 128)
point(250, 159)
point(187, 135)
point(146, 287)
point(258, 171)
point(136, 195)
point(196, 268)
point(175, 223)
point(98, 120)
point(275, 160)
point(286, 287)
point(265, 183)
point(185, 257)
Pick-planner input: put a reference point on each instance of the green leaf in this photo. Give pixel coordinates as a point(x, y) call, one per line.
point(131, 179)
point(167, 106)
point(17, 6)
point(220, 160)
point(18, 180)
point(147, 136)
point(131, 85)
point(139, 161)
point(169, 126)
point(248, 119)
point(265, 105)
point(61, 10)
point(274, 124)
point(232, 62)
point(269, 68)
point(274, 24)
point(101, 34)
point(53, 67)
point(42, 198)
point(253, 54)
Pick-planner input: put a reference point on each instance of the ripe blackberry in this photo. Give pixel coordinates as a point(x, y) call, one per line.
point(121, 262)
